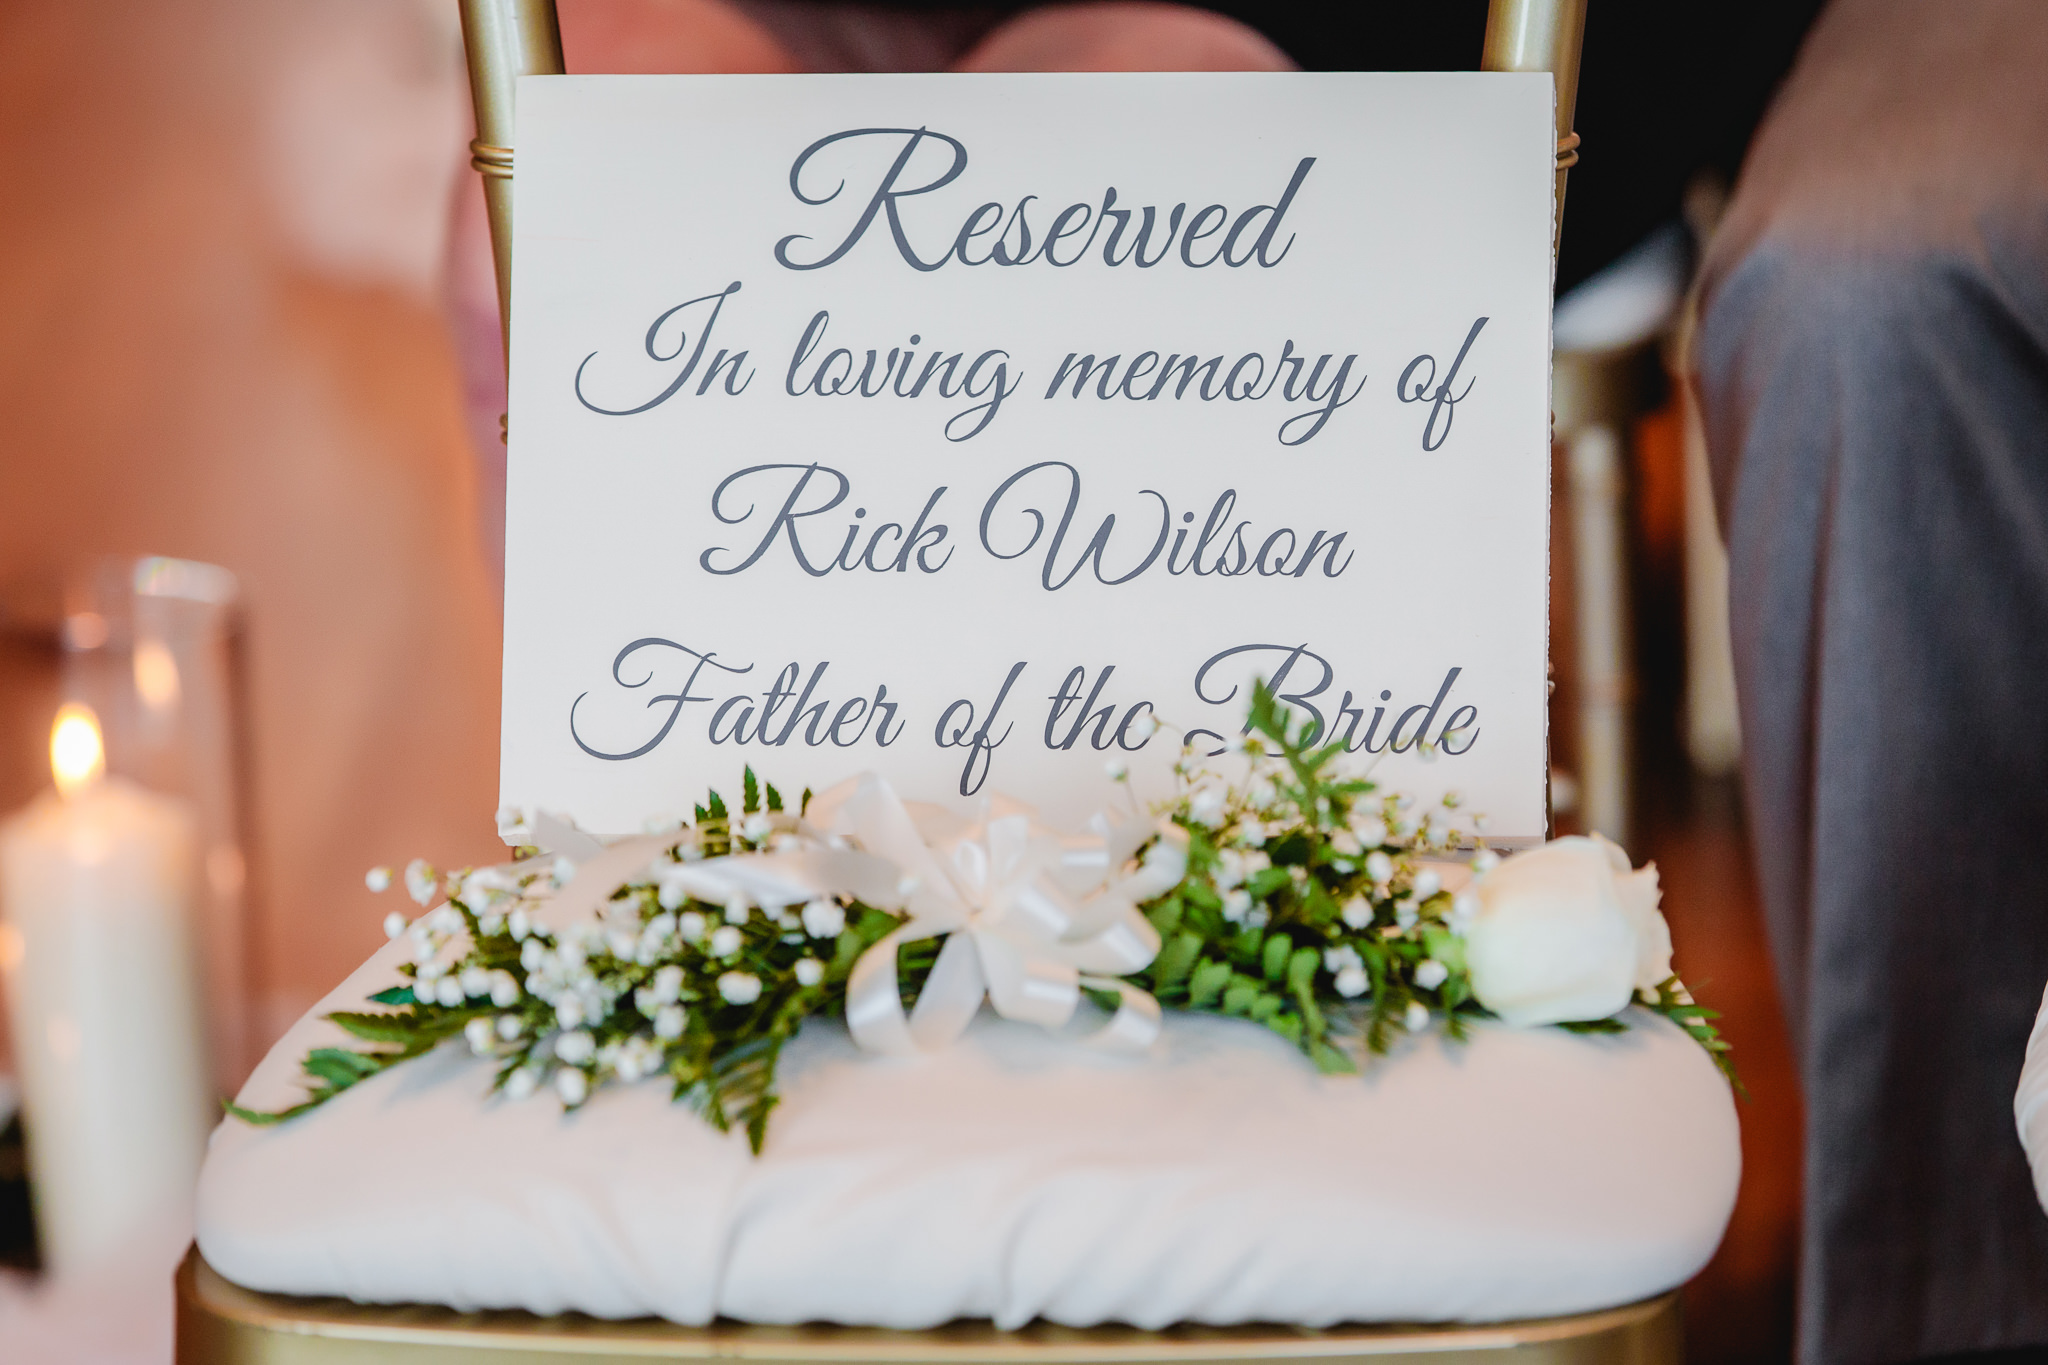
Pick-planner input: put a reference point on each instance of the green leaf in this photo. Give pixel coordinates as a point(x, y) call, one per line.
point(1288, 1026)
point(396, 995)
point(774, 798)
point(1171, 967)
point(1165, 916)
point(1301, 968)
point(718, 811)
point(1265, 1007)
point(1207, 983)
point(1331, 1061)
point(750, 792)
point(804, 807)
point(1593, 1026)
point(378, 1028)
point(1239, 997)
point(1274, 963)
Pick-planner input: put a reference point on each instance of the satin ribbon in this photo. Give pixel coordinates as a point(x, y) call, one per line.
point(1001, 891)
point(1030, 919)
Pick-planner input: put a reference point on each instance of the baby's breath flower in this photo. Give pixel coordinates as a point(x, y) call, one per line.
point(1117, 769)
point(446, 919)
point(739, 988)
point(569, 1011)
point(510, 1026)
point(481, 1036)
point(1417, 1016)
point(575, 1047)
point(448, 992)
point(1426, 884)
point(1236, 905)
point(395, 924)
point(726, 940)
point(738, 910)
point(421, 881)
point(1485, 861)
point(1144, 727)
point(824, 918)
point(1464, 909)
point(518, 924)
point(1357, 912)
point(1430, 973)
point(1379, 867)
point(378, 879)
point(1352, 982)
point(531, 954)
point(572, 1085)
point(504, 989)
point(691, 926)
point(564, 871)
point(809, 971)
point(669, 1021)
point(522, 1083)
point(757, 826)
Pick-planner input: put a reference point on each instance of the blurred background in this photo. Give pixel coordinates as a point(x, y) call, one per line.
point(225, 336)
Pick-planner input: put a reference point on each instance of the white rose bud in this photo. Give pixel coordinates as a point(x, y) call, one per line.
point(1566, 932)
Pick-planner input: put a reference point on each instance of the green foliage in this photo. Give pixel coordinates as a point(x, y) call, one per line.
point(1305, 909)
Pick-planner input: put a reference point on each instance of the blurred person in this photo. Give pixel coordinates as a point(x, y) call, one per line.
point(1873, 365)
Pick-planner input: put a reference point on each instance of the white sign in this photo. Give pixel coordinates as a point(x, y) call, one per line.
point(951, 425)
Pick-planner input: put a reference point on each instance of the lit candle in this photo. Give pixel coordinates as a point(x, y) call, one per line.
point(96, 883)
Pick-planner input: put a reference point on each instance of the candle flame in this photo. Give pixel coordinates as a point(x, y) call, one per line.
point(77, 757)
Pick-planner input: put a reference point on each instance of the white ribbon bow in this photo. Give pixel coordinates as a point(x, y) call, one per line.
point(998, 889)
point(1002, 889)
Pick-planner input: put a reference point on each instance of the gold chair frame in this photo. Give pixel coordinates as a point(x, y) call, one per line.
point(220, 1323)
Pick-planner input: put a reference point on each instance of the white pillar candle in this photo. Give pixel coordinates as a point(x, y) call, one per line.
point(96, 884)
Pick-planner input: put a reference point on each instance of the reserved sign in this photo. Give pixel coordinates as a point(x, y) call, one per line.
point(958, 426)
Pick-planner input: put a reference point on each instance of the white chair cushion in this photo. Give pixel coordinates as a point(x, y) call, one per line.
point(1018, 1175)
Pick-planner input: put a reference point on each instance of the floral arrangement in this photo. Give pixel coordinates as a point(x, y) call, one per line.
point(1294, 897)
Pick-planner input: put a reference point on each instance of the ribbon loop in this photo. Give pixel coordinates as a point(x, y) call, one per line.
point(1030, 920)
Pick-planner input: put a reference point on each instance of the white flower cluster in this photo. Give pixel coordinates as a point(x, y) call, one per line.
point(609, 998)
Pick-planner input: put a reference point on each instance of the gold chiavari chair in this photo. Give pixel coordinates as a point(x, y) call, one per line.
point(220, 1323)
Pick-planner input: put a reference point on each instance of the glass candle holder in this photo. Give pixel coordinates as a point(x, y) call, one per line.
point(121, 892)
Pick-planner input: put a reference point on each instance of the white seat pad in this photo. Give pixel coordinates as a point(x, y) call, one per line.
point(1018, 1175)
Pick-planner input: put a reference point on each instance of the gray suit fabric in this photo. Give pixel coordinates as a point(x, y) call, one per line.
point(1873, 366)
